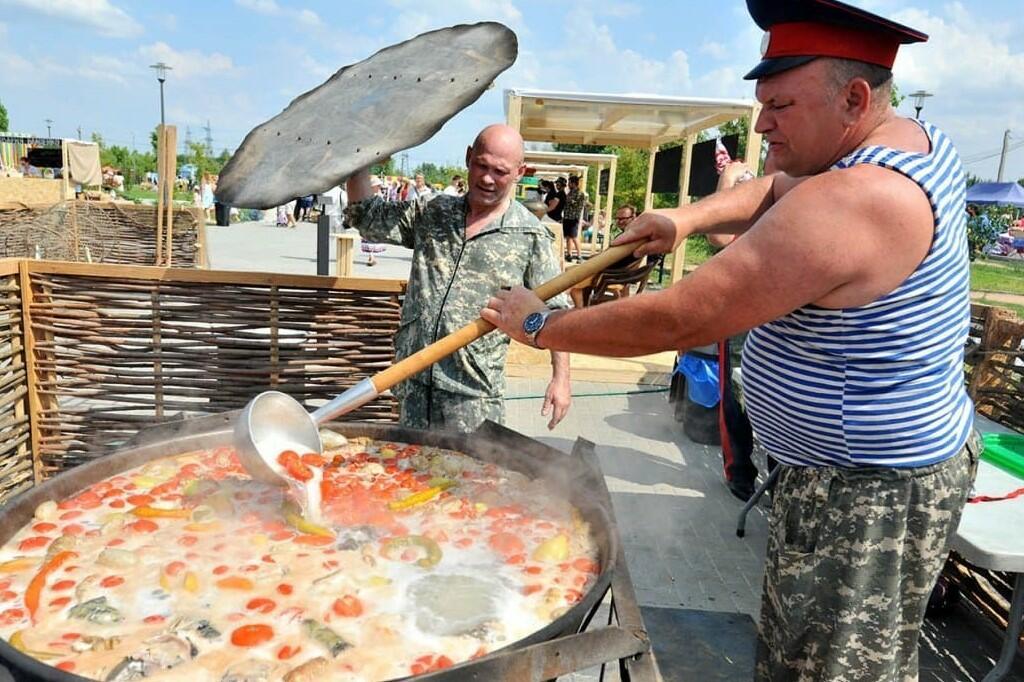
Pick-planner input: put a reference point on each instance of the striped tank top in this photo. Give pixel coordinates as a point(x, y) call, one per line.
point(881, 384)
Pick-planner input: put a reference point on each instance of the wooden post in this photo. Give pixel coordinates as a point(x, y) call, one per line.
point(515, 113)
point(611, 201)
point(74, 228)
point(161, 178)
point(171, 156)
point(648, 196)
point(345, 247)
point(18, 362)
point(65, 183)
point(679, 257)
point(35, 404)
point(158, 365)
point(596, 215)
point(275, 351)
point(753, 157)
point(200, 217)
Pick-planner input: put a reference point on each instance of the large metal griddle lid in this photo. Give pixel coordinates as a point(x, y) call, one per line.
point(396, 99)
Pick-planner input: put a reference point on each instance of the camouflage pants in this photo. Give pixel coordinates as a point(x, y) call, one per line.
point(424, 407)
point(852, 557)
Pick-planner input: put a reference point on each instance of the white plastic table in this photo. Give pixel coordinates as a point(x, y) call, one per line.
point(989, 536)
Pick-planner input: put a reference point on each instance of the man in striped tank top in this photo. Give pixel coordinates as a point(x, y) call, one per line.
point(853, 276)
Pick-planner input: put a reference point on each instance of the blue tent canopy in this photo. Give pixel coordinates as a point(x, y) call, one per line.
point(1009, 193)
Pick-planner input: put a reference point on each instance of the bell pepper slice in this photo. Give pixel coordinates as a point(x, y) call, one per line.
point(35, 586)
point(420, 498)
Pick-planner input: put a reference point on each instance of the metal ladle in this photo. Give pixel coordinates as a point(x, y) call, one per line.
point(274, 421)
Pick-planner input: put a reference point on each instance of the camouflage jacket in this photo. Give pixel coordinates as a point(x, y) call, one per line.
point(575, 202)
point(452, 278)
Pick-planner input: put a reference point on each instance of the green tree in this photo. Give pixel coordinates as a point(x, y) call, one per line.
point(973, 179)
point(435, 174)
point(4, 121)
point(895, 98)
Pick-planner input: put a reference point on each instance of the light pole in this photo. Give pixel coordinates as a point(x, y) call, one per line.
point(919, 98)
point(49, 122)
point(161, 75)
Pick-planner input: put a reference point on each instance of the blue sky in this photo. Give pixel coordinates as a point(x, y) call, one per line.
point(240, 62)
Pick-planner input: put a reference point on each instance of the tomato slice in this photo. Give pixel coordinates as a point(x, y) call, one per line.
point(348, 606)
point(252, 635)
point(293, 466)
point(261, 604)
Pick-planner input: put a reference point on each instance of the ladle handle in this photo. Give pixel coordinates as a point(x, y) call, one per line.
point(459, 338)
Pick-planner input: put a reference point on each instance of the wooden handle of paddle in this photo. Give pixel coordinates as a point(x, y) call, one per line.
point(442, 348)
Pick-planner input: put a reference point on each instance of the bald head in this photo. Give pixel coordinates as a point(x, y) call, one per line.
point(495, 163)
point(501, 140)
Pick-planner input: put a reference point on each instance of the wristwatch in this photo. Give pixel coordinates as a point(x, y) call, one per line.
point(533, 323)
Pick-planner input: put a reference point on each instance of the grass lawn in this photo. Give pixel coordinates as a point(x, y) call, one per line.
point(1015, 307)
point(998, 276)
point(139, 194)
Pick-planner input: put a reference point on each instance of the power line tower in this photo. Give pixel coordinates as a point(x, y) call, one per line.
point(188, 137)
point(1002, 155)
point(209, 138)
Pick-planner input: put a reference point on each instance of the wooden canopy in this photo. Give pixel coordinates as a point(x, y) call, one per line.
point(584, 160)
point(631, 120)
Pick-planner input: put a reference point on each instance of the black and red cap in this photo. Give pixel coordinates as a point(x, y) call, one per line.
point(798, 31)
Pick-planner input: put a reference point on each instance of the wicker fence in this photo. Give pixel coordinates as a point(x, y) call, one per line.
point(16, 461)
point(98, 232)
point(994, 366)
point(92, 353)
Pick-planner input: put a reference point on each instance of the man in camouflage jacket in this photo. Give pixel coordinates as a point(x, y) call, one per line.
point(464, 249)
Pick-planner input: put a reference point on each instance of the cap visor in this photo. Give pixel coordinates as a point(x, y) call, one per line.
point(767, 67)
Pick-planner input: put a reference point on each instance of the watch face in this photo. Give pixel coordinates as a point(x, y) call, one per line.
point(532, 323)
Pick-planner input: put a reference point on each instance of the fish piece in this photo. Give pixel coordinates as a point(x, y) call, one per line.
point(96, 611)
point(312, 670)
point(396, 99)
point(249, 670)
point(117, 558)
point(332, 440)
point(325, 636)
point(162, 652)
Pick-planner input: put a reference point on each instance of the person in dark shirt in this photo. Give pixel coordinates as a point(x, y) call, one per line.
point(556, 201)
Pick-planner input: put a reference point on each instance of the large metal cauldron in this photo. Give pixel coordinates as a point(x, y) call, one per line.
point(578, 475)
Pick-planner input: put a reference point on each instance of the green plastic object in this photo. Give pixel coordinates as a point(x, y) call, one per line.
point(1006, 451)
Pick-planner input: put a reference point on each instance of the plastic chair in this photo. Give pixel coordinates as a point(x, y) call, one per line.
point(614, 284)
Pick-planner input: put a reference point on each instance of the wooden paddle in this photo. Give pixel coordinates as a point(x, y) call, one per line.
point(460, 338)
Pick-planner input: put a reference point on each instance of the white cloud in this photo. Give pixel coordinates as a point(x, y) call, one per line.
point(188, 63)
point(262, 6)
point(714, 49)
point(619, 9)
point(310, 18)
point(270, 8)
point(416, 16)
point(963, 53)
point(99, 15)
point(586, 57)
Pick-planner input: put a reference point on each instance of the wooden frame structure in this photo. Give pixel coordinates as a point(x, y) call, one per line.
point(642, 121)
point(91, 353)
point(601, 161)
point(103, 232)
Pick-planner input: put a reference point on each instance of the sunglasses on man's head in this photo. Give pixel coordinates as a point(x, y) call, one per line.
point(623, 217)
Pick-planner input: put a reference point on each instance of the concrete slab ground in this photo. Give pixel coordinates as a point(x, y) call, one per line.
point(262, 246)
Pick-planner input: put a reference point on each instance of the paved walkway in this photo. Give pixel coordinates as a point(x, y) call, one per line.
point(264, 247)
